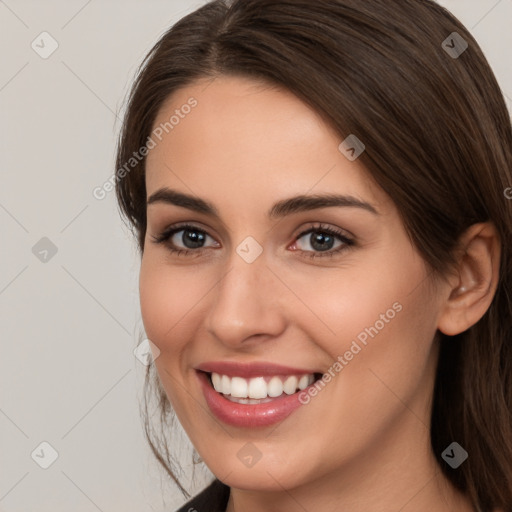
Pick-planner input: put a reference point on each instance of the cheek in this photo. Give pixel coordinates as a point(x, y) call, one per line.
point(169, 298)
point(361, 299)
point(378, 316)
point(387, 361)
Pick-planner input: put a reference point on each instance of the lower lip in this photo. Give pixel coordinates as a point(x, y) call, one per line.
point(245, 415)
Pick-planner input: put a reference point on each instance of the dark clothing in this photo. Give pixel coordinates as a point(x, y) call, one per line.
point(212, 499)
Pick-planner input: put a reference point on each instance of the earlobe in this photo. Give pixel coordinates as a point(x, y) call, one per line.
point(471, 292)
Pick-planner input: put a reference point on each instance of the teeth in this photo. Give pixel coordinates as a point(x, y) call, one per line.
point(304, 382)
point(275, 387)
point(290, 385)
point(216, 381)
point(247, 390)
point(225, 385)
point(251, 401)
point(257, 388)
point(239, 387)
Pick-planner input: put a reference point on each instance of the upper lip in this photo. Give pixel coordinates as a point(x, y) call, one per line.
point(255, 369)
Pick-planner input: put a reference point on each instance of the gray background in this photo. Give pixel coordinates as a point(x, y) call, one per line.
point(69, 325)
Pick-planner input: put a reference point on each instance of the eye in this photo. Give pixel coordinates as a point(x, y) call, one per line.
point(322, 241)
point(318, 241)
point(184, 239)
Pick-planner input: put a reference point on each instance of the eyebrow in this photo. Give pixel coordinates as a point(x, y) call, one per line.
point(280, 209)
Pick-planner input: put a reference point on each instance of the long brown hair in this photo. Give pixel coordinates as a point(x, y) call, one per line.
point(438, 141)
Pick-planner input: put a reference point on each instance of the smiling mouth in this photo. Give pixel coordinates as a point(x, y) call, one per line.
point(259, 390)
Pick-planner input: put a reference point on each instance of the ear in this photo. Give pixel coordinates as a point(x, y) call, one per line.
point(473, 285)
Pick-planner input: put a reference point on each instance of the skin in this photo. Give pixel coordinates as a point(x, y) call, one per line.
point(362, 444)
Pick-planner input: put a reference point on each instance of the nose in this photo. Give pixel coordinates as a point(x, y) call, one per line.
point(245, 304)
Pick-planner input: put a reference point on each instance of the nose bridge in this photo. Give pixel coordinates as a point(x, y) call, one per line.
point(245, 301)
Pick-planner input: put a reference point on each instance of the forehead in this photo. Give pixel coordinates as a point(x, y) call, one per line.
point(251, 139)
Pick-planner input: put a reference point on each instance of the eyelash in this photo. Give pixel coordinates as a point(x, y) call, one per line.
point(319, 228)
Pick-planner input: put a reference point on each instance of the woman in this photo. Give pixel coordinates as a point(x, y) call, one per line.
point(317, 191)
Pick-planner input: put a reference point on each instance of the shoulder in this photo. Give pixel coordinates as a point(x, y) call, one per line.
point(213, 498)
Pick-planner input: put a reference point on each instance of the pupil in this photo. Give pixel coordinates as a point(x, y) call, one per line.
point(321, 242)
point(192, 239)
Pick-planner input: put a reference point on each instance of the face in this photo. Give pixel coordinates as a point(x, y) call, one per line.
point(333, 288)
